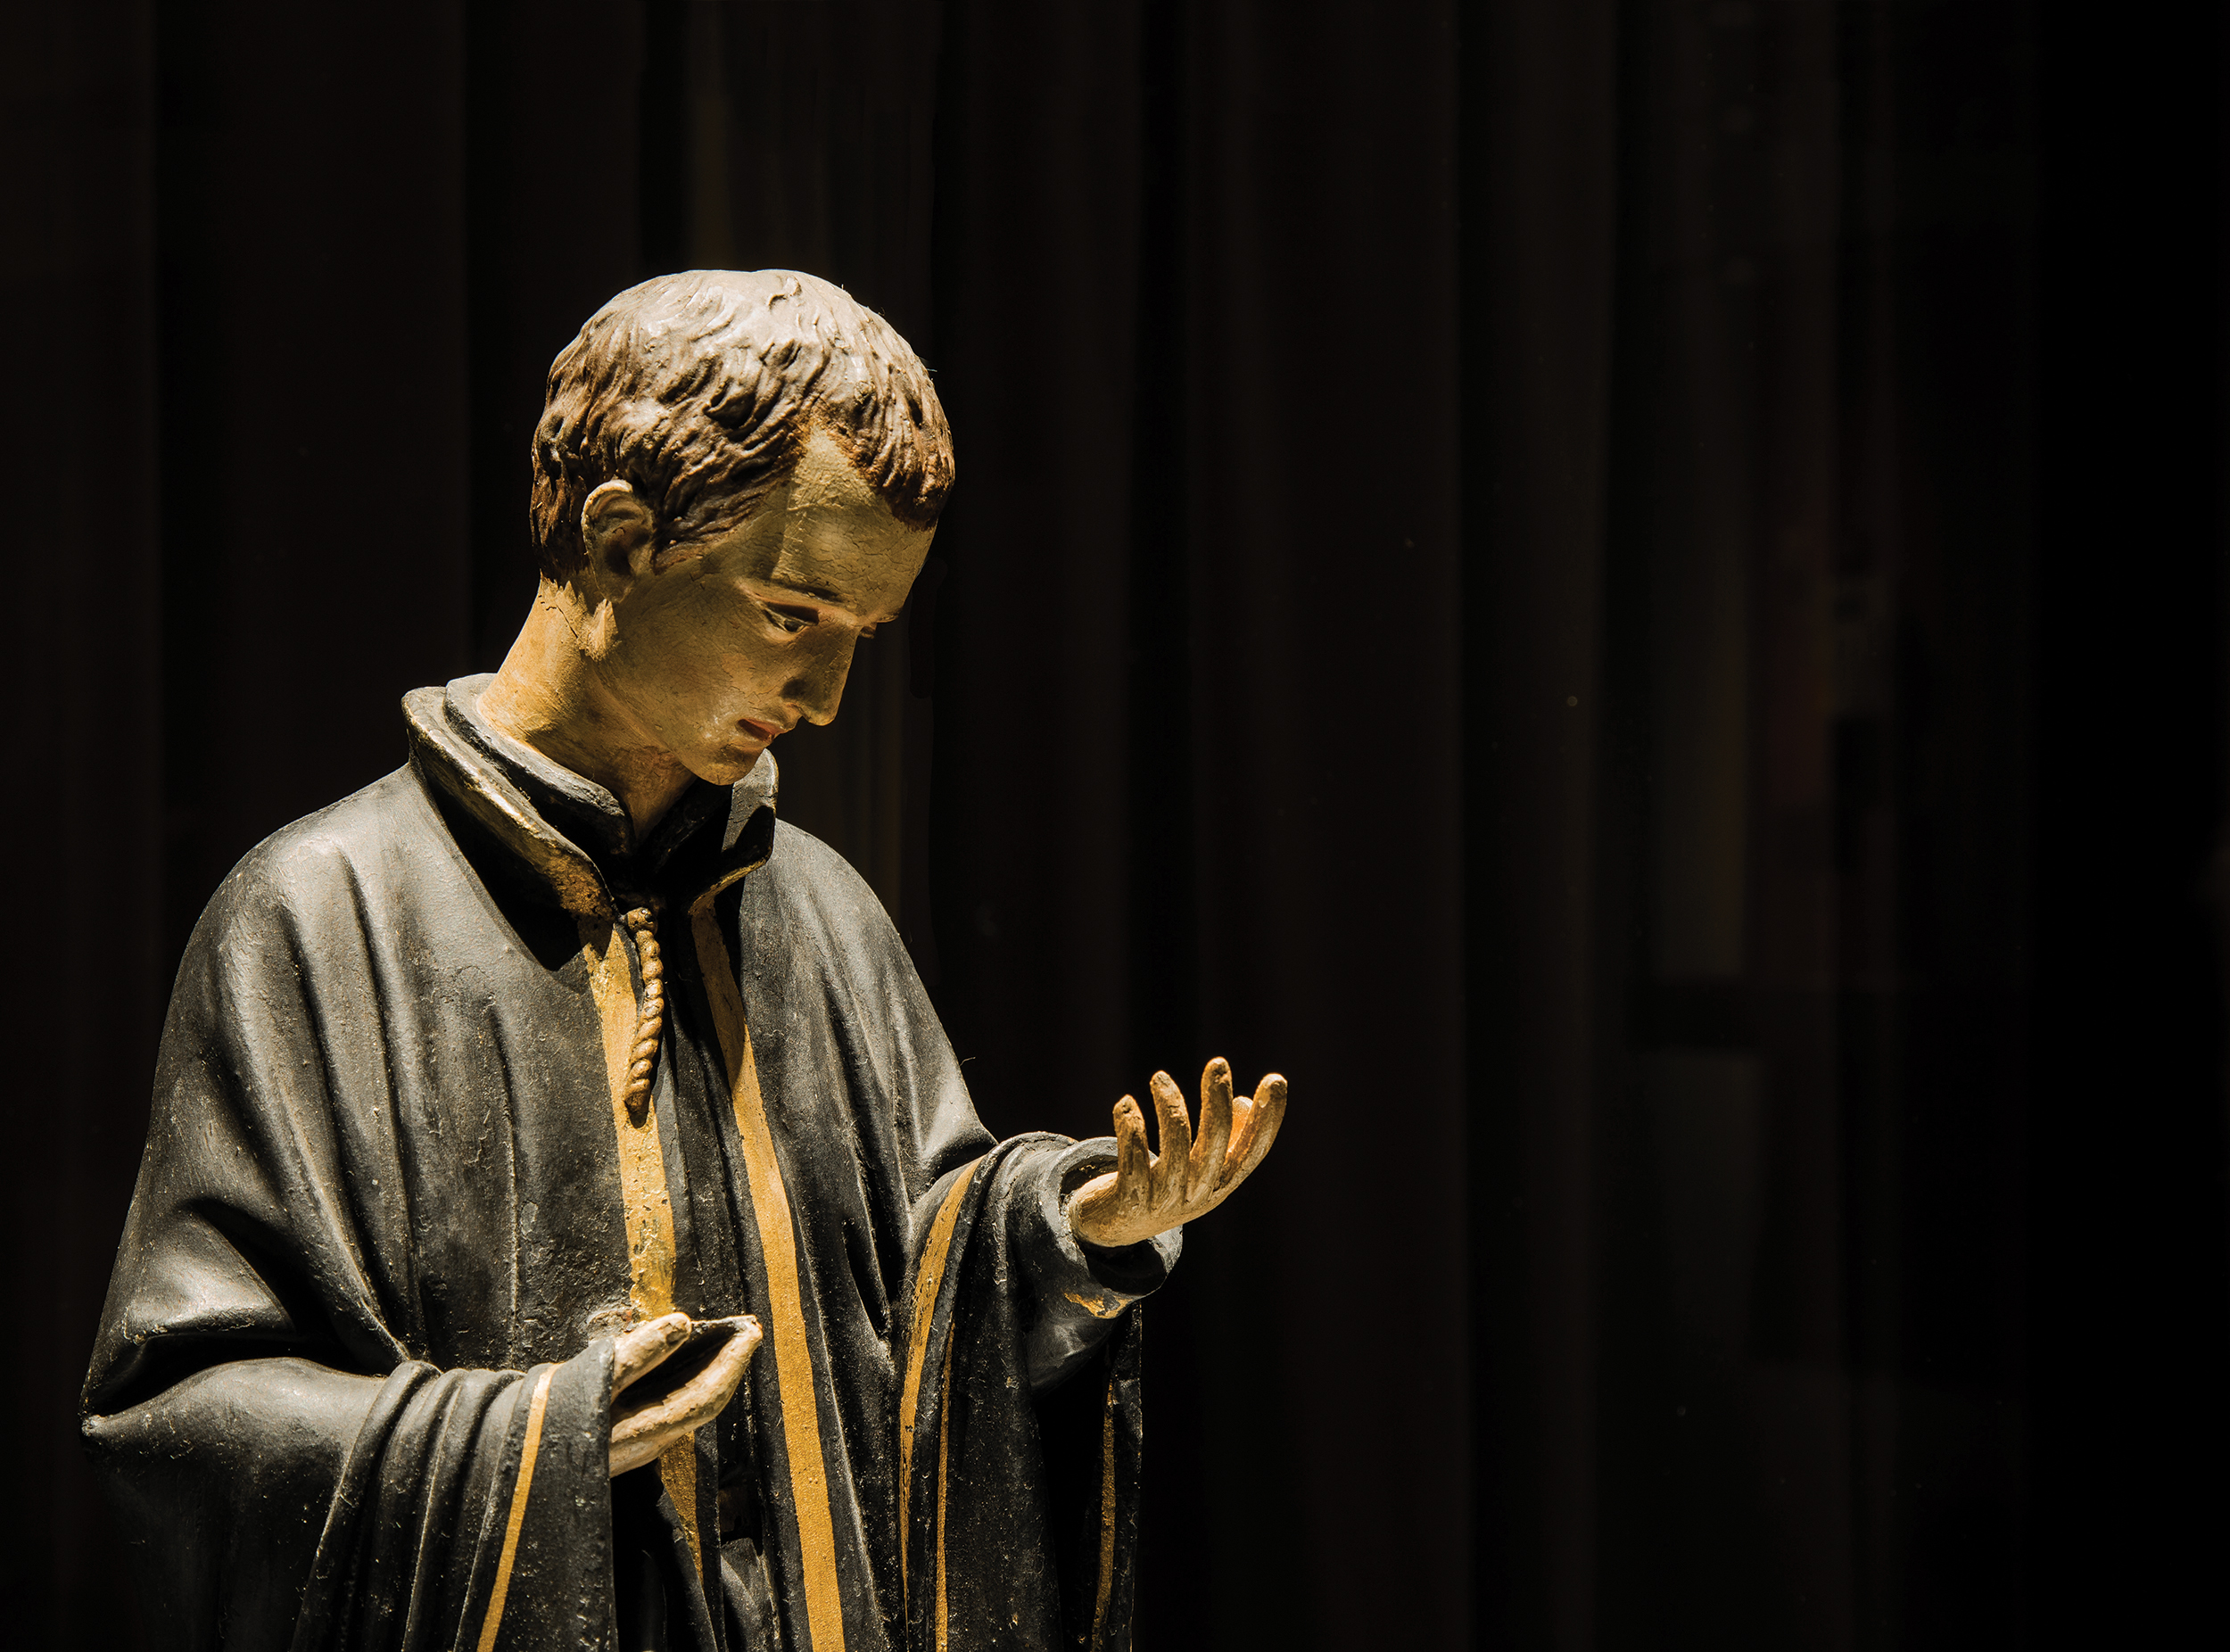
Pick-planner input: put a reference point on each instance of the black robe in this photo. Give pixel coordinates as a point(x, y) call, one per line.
point(354, 1379)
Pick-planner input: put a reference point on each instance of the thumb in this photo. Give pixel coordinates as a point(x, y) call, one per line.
point(638, 1352)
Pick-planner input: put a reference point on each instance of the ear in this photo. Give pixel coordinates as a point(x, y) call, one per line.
point(618, 532)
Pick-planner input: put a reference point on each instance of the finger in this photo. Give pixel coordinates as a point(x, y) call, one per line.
point(745, 1336)
point(1091, 1206)
point(649, 1431)
point(1263, 1120)
point(633, 1445)
point(1205, 1173)
point(1243, 1114)
point(1249, 1112)
point(645, 1348)
point(646, 1435)
point(1177, 1141)
point(735, 1325)
point(702, 1398)
point(1134, 1164)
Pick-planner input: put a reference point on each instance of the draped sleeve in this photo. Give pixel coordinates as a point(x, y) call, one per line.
point(289, 1469)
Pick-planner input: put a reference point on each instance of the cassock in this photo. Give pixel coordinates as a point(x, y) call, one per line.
point(459, 1080)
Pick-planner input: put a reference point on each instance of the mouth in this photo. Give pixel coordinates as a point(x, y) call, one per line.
point(766, 733)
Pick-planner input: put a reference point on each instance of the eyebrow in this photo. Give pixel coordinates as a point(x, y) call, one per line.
point(819, 593)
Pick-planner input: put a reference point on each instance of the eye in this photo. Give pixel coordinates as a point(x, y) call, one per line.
point(790, 620)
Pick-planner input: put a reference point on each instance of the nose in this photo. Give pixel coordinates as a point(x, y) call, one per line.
point(816, 690)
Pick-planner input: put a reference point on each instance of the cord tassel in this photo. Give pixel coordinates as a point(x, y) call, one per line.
point(651, 1022)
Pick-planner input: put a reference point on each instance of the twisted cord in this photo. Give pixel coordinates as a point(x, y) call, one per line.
point(651, 1021)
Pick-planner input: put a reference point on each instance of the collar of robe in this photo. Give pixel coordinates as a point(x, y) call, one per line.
point(685, 867)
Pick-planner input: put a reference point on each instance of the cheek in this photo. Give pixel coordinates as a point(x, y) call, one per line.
point(836, 656)
point(702, 668)
point(725, 683)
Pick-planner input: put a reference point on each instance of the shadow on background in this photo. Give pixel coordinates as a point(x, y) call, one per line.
point(1629, 590)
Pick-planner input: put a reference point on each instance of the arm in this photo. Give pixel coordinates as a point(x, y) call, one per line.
point(1097, 1238)
point(260, 1408)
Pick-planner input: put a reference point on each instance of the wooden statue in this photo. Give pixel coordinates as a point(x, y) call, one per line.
point(563, 1223)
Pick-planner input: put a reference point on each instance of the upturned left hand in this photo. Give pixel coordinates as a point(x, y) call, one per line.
point(1148, 1193)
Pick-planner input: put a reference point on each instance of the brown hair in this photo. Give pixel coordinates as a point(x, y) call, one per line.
point(697, 389)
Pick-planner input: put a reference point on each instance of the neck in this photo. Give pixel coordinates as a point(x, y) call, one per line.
point(550, 695)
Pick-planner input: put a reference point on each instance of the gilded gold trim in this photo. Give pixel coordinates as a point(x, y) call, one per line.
point(944, 1440)
point(1098, 1307)
point(645, 1198)
point(784, 1307)
point(928, 1280)
point(528, 1450)
point(498, 805)
point(677, 1472)
point(733, 875)
point(1107, 1512)
point(642, 1167)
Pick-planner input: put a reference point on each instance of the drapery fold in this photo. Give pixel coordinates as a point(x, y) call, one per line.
point(400, 1191)
point(1020, 1502)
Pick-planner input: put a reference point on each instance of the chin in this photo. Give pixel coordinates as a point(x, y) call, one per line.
point(725, 768)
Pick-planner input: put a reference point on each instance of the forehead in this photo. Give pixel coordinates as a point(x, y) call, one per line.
point(825, 532)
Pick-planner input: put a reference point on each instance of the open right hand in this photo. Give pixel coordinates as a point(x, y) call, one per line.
point(1148, 1193)
point(642, 1432)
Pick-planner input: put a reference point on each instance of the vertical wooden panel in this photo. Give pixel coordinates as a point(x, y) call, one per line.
point(1035, 271)
point(83, 976)
point(315, 409)
point(552, 165)
point(1538, 153)
point(1326, 659)
point(810, 147)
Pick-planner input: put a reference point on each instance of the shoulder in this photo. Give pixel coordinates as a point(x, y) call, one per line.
point(808, 899)
point(802, 860)
point(812, 931)
point(361, 831)
point(343, 855)
point(807, 877)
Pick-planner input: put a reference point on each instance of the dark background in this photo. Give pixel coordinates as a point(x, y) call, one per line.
point(1629, 590)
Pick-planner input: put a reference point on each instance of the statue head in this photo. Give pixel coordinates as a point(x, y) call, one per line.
point(700, 391)
point(736, 478)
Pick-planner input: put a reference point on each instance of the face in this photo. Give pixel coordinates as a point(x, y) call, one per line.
point(721, 648)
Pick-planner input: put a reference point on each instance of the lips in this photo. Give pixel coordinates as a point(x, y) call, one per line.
point(766, 733)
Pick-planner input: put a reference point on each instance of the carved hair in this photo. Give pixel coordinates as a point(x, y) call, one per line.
point(698, 390)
